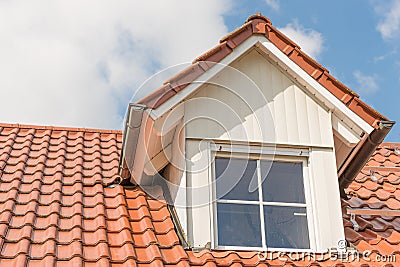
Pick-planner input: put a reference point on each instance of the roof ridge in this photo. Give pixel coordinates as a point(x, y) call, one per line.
point(58, 128)
point(260, 25)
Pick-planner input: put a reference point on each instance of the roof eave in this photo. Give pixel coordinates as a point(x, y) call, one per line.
point(133, 123)
point(361, 153)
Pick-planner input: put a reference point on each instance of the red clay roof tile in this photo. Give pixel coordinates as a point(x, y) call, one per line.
point(64, 218)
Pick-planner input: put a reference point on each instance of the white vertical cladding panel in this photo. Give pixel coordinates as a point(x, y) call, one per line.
point(273, 109)
point(302, 116)
point(199, 230)
point(313, 121)
point(278, 84)
point(326, 204)
point(291, 115)
point(325, 122)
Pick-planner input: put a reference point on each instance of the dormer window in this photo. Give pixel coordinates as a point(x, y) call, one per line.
point(270, 216)
point(255, 90)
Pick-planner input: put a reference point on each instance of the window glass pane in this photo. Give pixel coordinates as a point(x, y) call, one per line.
point(282, 181)
point(286, 227)
point(236, 178)
point(239, 225)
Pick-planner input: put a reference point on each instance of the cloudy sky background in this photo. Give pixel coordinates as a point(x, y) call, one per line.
point(78, 63)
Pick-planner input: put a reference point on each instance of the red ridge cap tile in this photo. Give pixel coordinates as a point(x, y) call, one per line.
point(236, 37)
point(217, 53)
point(309, 65)
point(280, 40)
point(157, 97)
point(185, 77)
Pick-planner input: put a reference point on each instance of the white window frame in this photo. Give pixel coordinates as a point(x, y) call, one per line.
point(288, 154)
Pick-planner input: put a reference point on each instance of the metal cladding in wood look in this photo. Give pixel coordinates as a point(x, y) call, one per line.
point(55, 209)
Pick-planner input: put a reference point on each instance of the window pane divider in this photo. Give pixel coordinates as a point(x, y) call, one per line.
point(255, 202)
point(260, 198)
point(285, 204)
point(233, 201)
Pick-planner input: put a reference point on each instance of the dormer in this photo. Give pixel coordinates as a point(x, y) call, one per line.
point(252, 145)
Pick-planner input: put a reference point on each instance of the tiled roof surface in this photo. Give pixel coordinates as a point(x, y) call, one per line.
point(377, 187)
point(260, 25)
point(57, 208)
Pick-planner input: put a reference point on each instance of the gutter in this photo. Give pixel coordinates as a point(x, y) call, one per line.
point(133, 125)
point(361, 154)
point(132, 128)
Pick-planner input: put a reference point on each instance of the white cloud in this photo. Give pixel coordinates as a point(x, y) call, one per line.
point(367, 84)
point(309, 40)
point(77, 63)
point(389, 26)
point(274, 4)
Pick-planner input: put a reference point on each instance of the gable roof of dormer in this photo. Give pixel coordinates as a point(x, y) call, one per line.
point(256, 29)
point(260, 25)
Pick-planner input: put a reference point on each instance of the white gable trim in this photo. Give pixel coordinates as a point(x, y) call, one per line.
point(345, 114)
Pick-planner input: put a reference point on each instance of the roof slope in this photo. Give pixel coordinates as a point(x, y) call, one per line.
point(56, 208)
point(260, 25)
point(377, 187)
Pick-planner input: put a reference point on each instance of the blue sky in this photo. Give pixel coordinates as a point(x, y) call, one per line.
point(74, 63)
point(353, 49)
